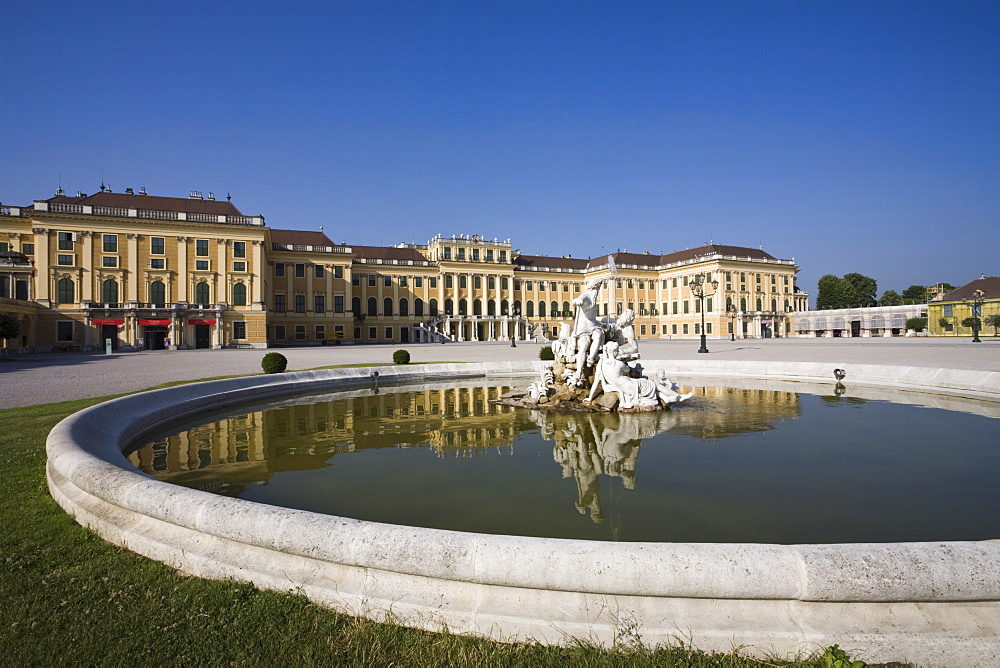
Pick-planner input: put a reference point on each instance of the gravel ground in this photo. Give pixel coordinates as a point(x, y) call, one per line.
point(34, 379)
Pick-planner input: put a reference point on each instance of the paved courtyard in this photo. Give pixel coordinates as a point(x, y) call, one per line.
point(35, 379)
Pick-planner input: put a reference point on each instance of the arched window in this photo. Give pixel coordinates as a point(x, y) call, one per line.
point(372, 306)
point(387, 306)
point(65, 293)
point(434, 308)
point(404, 307)
point(109, 291)
point(504, 310)
point(530, 313)
point(477, 307)
point(758, 304)
point(356, 306)
point(729, 303)
point(786, 307)
point(157, 293)
point(491, 307)
point(743, 304)
point(239, 294)
point(449, 307)
point(554, 311)
point(463, 307)
point(418, 307)
point(201, 293)
point(774, 305)
point(541, 309)
point(566, 311)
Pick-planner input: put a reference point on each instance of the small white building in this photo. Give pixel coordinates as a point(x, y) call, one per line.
point(863, 322)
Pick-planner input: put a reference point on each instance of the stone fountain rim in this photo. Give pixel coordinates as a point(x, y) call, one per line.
point(86, 470)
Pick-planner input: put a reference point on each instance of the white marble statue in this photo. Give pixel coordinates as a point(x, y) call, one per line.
point(588, 333)
point(614, 375)
point(621, 330)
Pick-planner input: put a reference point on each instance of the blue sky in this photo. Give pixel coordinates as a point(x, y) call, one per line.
point(852, 136)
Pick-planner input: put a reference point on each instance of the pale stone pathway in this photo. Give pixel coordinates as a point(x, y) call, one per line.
point(35, 379)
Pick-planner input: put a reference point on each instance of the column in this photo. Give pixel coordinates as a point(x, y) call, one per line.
point(132, 278)
point(222, 289)
point(183, 279)
point(86, 284)
point(257, 275)
point(43, 275)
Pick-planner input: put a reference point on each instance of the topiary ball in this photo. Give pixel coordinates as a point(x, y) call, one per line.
point(274, 363)
point(401, 357)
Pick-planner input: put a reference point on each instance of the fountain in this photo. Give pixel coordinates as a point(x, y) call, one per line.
point(592, 369)
point(932, 602)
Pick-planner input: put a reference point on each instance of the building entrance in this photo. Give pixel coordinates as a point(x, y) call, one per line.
point(202, 336)
point(404, 335)
point(153, 337)
point(110, 332)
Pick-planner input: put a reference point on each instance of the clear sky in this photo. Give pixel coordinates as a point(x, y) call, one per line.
point(850, 136)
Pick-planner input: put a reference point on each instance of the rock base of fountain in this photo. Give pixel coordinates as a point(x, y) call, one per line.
point(559, 390)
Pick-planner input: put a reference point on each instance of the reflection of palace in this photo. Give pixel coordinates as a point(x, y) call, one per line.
point(225, 456)
point(247, 448)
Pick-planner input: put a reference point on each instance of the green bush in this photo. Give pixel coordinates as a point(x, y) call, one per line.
point(546, 353)
point(274, 363)
point(916, 324)
point(401, 357)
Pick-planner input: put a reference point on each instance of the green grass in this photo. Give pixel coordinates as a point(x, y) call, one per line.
point(68, 597)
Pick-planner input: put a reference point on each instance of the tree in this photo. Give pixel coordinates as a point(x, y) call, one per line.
point(10, 328)
point(915, 294)
point(916, 324)
point(972, 323)
point(835, 293)
point(891, 298)
point(865, 288)
point(994, 322)
point(945, 323)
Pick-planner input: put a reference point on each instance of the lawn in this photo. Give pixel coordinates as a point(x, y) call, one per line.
point(68, 597)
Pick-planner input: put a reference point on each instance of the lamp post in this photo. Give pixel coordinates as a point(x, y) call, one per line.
point(516, 313)
point(698, 290)
point(732, 321)
point(977, 300)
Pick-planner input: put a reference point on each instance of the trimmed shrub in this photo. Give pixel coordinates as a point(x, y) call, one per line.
point(401, 357)
point(274, 363)
point(916, 324)
point(546, 354)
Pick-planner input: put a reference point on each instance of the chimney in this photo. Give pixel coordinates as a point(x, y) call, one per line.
point(195, 194)
point(142, 190)
point(128, 191)
point(211, 196)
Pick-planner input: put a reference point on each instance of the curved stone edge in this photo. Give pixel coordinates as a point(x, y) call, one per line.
point(771, 598)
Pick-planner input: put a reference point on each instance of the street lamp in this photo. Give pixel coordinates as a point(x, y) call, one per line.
point(731, 309)
point(977, 300)
point(516, 313)
point(698, 290)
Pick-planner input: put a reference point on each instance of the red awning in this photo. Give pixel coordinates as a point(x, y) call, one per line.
point(108, 321)
point(154, 322)
point(201, 321)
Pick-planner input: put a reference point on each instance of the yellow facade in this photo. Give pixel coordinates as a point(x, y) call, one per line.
point(981, 298)
point(197, 273)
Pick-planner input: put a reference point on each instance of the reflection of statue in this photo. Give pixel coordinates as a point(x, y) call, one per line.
point(594, 444)
point(588, 335)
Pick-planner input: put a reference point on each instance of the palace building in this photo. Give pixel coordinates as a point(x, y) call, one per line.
point(132, 270)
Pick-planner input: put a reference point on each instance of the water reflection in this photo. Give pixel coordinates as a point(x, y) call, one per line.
point(305, 433)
